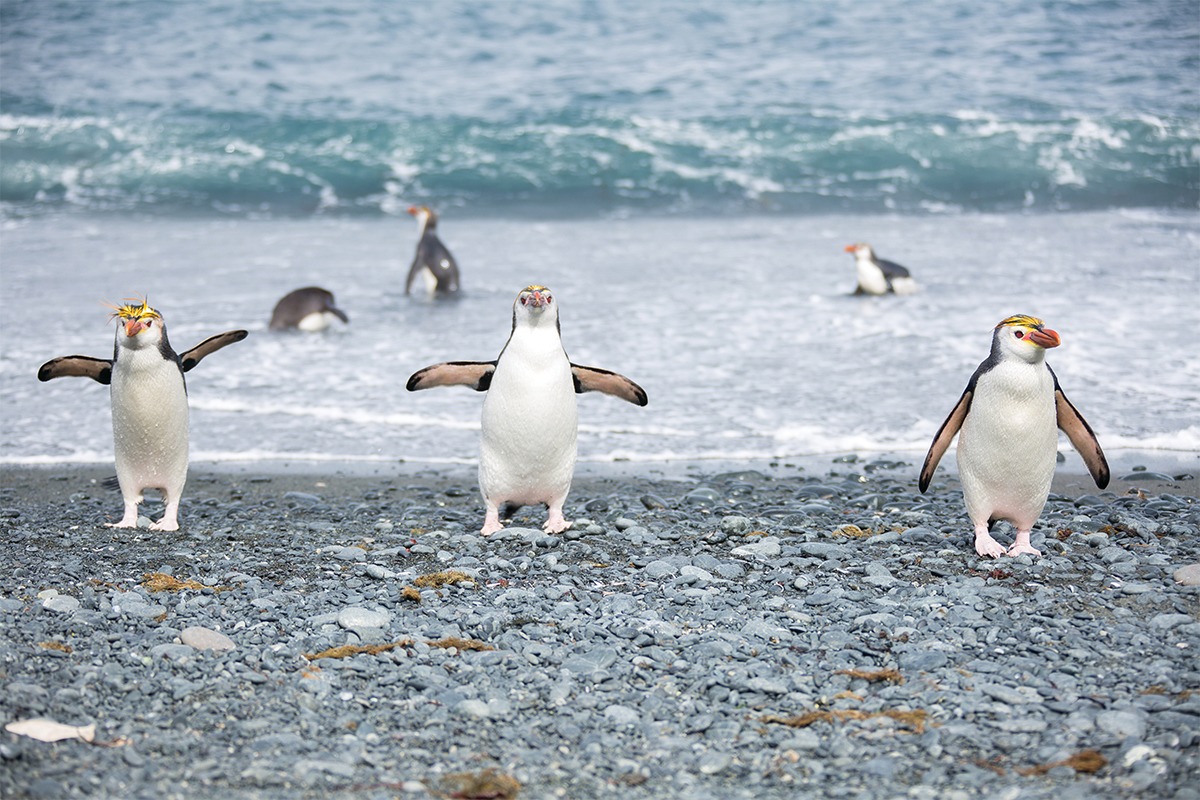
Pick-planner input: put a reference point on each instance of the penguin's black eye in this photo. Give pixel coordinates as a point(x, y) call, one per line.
point(1019, 334)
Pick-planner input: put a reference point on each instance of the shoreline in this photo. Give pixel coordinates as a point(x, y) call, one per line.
point(755, 634)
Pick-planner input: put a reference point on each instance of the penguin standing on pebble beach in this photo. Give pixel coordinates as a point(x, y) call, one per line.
point(530, 414)
point(1009, 418)
point(149, 406)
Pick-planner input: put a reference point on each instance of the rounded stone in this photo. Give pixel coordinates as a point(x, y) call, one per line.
point(206, 639)
point(356, 617)
point(1189, 575)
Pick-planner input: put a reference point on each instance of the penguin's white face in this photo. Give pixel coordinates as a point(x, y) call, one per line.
point(138, 325)
point(860, 250)
point(535, 304)
point(1025, 337)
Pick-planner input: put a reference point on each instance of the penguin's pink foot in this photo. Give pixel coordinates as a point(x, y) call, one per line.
point(165, 524)
point(985, 545)
point(1021, 545)
point(556, 523)
point(491, 523)
point(130, 519)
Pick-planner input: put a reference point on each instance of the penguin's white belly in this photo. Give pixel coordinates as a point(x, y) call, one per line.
point(1008, 444)
point(316, 321)
point(530, 424)
point(870, 278)
point(427, 280)
point(150, 423)
point(904, 286)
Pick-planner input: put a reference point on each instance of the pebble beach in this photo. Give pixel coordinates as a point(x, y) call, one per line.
point(757, 633)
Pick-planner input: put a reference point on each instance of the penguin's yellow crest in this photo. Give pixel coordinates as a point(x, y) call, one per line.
point(535, 288)
point(134, 309)
point(1021, 319)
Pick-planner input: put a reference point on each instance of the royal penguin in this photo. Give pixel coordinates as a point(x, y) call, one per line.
point(877, 275)
point(149, 405)
point(530, 416)
point(1007, 423)
point(433, 268)
point(310, 309)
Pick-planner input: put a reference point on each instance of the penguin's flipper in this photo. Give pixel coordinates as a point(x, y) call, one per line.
point(476, 374)
point(212, 344)
point(413, 272)
point(337, 312)
point(891, 269)
point(945, 435)
point(1080, 433)
point(98, 369)
point(592, 379)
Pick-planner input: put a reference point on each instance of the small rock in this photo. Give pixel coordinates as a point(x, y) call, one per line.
point(1189, 575)
point(712, 763)
point(1165, 622)
point(735, 524)
point(767, 547)
point(61, 603)
point(357, 617)
point(1122, 724)
point(473, 708)
point(172, 652)
point(205, 639)
point(658, 569)
point(621, 715)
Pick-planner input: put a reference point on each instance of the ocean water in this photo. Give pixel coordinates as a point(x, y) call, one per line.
point(742, 330)
point(684, 175)
point(565, 108)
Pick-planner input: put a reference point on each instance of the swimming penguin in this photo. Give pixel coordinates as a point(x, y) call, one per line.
point(1007, 448)
point(530, 418)
point(149, 405)
point(432, 265)
point(877, 275)
point(310, 309)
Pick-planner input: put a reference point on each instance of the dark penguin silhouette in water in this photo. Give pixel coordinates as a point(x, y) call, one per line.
point(433, 269)
point(309, 309)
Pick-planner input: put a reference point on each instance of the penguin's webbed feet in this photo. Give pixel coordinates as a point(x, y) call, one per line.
point(491, 523)
point(1021, 545)
point(556, 523)
point(985, 545)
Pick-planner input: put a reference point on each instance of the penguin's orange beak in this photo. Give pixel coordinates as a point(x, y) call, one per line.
point(134, 326)
point(1045, 337)
point(850, 248)
point(535, 299)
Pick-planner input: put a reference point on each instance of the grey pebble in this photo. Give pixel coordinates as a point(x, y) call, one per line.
point(206, 639)
point(766, 547)
point(640, 659)
point(61, 604)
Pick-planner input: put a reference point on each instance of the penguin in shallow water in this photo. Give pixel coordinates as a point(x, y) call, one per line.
point(433, 268)
point(530, 416)
point(1007, 423)
point(309, 309)
point(149, 406)
point(877, 275)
